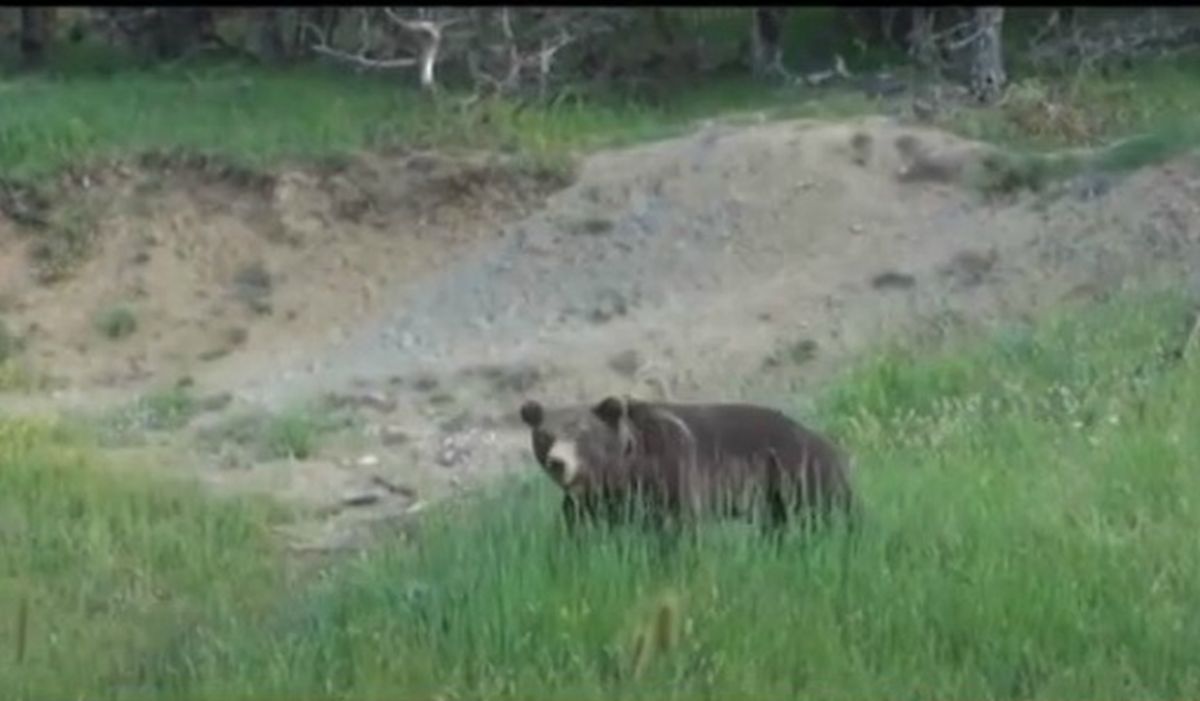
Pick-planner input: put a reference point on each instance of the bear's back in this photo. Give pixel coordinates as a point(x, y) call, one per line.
point(745, 430)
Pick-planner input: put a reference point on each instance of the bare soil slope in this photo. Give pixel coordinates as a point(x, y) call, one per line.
point(216, 263)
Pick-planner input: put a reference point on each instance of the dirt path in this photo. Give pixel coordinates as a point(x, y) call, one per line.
point(751, 261)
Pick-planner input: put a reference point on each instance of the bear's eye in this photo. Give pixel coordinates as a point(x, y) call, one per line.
point(556, 466)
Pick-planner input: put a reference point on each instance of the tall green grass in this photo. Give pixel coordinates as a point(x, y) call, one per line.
point(1031, 510)
point(102, 571)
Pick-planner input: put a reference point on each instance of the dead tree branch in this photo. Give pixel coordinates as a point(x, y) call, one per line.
point(430, 39)
point(426, 33)
point(516, 50)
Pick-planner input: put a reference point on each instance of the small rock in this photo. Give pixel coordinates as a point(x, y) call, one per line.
point(368, 461)
point(448, 457)
point(856, 228)
point(360, 498)
point(451, 453)
point(626, 363)
point(892, 280)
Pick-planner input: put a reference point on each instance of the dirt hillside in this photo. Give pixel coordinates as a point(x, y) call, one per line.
point(747, 261)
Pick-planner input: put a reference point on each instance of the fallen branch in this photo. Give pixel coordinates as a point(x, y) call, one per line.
point(362, 61)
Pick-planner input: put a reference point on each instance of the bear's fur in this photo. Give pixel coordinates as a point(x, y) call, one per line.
point(683, 460)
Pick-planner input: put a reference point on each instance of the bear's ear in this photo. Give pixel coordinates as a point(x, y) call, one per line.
point(611, 410)
point(532, 414)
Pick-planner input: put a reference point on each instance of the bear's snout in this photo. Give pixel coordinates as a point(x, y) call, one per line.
point(557, 468)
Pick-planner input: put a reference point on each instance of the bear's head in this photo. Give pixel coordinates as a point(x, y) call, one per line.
point(576, 449)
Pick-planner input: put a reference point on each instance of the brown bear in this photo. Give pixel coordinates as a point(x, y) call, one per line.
point(680, 461)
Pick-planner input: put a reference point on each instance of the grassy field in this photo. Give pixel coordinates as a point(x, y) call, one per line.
point(1031, 499)
point(1032, 509)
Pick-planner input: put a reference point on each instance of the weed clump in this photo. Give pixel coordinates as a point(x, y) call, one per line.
point(117, 322)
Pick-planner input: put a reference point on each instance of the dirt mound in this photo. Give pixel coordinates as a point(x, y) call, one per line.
point(730, 262)
point(721, 243)
point(174, 266)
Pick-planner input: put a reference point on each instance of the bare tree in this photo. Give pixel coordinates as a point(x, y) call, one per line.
point(503, 50)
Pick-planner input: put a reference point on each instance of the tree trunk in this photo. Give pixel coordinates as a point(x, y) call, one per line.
point(922, 45)
point(37, 25)
point(766, 41)
point(175, 31)
point(987, 54)
point(271, 42)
